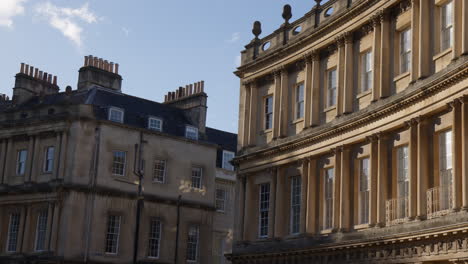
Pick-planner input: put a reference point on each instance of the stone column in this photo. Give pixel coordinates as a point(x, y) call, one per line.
point(374, 175)
point(8, 161)
point(377, 38)
point(25, 227)
point(464, 151)
point(464, 25)
point(244, 135)
point(273, 191)
point(63, 155)
point(345, 190)
point(340, 75)
point(315, 86)
point(415, 12)
point(312, 195)
point(457, 154)
point(458, 27)
point(280, 214)
point(3, 160)
point(284, 104)
point(382, 178)
point(276, 103)
point(252, 133)
point(239, 218)
point(348, 74)
point(336, 187)
point(37, 167)
point(50, 216)
point(250, 223)
point(55, 227)
point(385, 53)
point(308, 90)
point(57, 150)
point(29, 161)
point(412, 167)
point(425, 54)
point(422, 168)
point(304, 193)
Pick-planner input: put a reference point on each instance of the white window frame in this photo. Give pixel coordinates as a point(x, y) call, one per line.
point(295, 206)
point(445, 156)
point(155, 236)
point(41, 230)
point(10, 233)
point(21, 164)
point(364, 191)
point(264, 209)
point(328, 197)
point(299, 105)
point(198, 178)
point(268, 107)
point(220, 200)
point(193, 238)
point(47, 168)
point(156, 162)
point(226, 165)
point(332, 86)
point(124, 169)
point(405, 53)
point(116, 239)
point(191, 130)
point(155, 119)
point(119, 110)
point(366, 71)
point(446, 10)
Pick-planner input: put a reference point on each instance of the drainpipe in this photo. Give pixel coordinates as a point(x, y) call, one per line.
point(177, 230)
point(139, 172)
point(92, 183)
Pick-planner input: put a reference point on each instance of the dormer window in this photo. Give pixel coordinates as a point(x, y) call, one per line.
point(191, 132)
point(116, 114)
point(155, 123)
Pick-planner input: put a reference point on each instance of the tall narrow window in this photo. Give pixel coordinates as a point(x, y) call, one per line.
point(328, 198)
point(364, 189)
point(264, 209)
point(21, 162)
point(366, 71)
point(269, 112)
point(159, 173)
point(220, 200)
point(300, 101)
point(295, 204)
point(197, 177)
point(446, 34)
point(192, 243)
point(154, 238)
point(227, 157)
point(41, 230)
point(49, 159)
point(405, 51)
point(113, 233)
point(445, 169)
point(331, 89)
point(118, 163)
point(403, 182)
point(13, 229)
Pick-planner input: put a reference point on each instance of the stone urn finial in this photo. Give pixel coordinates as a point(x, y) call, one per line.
point(287, 14)
point(257, 29)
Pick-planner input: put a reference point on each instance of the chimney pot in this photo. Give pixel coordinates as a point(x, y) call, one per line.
point(106, 65)
point(111, 66)
point(36, 73)
point(95, 62)
point(116, 68)
point(68, 89)
point(40, 75)
point(44, 77)
point(85, 61)
point(165, 98)
point(202, 86)
point(26, 70)
point(49, 78)
point(55, 80)
point(90, 60)
point(22, 68)
point(31, 69)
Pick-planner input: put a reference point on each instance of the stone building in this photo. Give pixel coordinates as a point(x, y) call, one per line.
point(94, 175)
point(353, 130)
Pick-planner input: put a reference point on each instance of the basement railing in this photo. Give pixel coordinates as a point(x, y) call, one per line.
point(397, 210)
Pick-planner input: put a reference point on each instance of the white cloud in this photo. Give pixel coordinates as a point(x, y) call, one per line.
point(9, 9)
point(67, 20)
point(234, 37)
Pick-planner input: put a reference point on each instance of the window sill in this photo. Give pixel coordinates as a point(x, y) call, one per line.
point(266, 131)
point(124, 179)
point(362, 226)
point(297, 120)
point(401, 76)
point(158, 182)
point(442, 54)
point(330, 108)
point(362, 94)
point(326, 231)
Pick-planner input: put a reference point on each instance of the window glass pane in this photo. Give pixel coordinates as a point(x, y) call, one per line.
point(366, 71)
point(332, 88)
point(264, 209)
point(21, 163)
point(116, 115)
point(220, 200)
point(227, 157)
point(41, 230)
point(191, 132)
point(269, 112)
point(405, 51)
point(155, 123)
point(196, 177)
point(192, 243)
point(13, 229)
point(49, 159)
point(446, 35)
point(159, 172)
point(295, 204)
point(113, 232)
point(300, 101)
point(154, 238)
point(364, 189)
point(118, 164)
point(328, 208)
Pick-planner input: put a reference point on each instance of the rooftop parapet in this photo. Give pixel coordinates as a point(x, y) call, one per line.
point(290, 32)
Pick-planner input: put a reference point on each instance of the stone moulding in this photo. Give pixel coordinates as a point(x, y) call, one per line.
point(394, 103)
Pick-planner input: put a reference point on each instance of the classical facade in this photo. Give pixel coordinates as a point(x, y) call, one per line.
point(353, 136)
point(94, 175)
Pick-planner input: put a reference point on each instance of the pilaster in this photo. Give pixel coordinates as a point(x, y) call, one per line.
point(337, 187)
point(348, 74)
point(308, 91)
point(456, 106)
point(415, 47)
point(304, 194)
point(244, 135)
point(312, 198)
point(464, 25)
point(385, 53)
point(3, 157)
point(276, 103)
point(382, 177)
point(252, 133)
point(458, 27)
point(250, 223)
point(63, 155)
point(374, 171)
point(315, 86)
point(464, 150)
point(345, 189)
point(377, 47)
point(422, 168)
point(340, 92)
point(280, 214)
point(412, 166)
point(284, 100)
point(425, 54)
point(30, 159)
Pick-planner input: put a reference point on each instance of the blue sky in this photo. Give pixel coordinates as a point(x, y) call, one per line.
point(160, 45)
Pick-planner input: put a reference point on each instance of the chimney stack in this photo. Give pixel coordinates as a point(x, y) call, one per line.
point(31, 81)
point(99, 72)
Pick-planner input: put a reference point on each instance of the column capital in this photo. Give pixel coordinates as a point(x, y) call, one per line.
point(413, 122)
point(372, 138)
point(340, 40)
point(455, 103)
point(249, 82)
point(279, 70)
